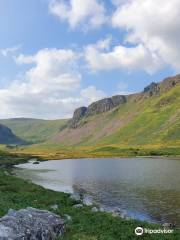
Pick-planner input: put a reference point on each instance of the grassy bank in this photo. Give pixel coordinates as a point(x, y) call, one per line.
point(48, 151)
point(16, 193)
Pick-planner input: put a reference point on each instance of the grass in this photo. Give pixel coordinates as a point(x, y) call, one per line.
point(16, 194)
point(140, 122)
point(34, 130)
point(49, 151)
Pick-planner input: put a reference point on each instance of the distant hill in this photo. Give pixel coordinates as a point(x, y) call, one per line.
point(151, 117)
point(34, 130)
point(7, 136)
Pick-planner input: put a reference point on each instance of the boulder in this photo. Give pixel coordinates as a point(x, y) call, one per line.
point(31, 224)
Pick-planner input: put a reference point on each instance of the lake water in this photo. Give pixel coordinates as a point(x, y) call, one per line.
point(146, 188)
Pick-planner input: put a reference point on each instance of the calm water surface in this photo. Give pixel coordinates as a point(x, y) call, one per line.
point(147, 189)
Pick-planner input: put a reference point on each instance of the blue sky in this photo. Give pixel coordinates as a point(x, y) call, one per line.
point(58, 55)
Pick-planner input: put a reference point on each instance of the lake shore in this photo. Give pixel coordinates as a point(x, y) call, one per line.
point(16, 193)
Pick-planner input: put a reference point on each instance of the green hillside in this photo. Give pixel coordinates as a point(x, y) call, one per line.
point(8, 137)
point(157, 122)
point(34, 130)
point(147, 118)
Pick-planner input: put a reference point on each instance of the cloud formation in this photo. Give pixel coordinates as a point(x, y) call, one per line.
point(6, 51)
point(51, 88)
point(154, 25)
point(121, 57)
point(86, 13)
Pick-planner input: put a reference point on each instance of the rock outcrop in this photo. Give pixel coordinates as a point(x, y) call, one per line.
point(105, 105)
point(78, 114)
point(8, 137)
point(152, 89)
point(31, 224)
point(97, 107)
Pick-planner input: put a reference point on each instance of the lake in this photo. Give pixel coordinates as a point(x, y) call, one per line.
point(146, 188)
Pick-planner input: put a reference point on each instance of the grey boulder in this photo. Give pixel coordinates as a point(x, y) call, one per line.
point(31, 224)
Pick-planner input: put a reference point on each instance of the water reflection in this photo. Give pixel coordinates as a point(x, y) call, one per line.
point(148, 189)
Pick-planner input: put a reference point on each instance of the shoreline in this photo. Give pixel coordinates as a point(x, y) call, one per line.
point(16, 193)
point(77, 191)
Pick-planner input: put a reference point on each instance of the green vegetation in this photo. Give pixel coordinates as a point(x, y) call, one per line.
point(8, 159)
point(34, 130)
point(16, 194)
point(147, 124)
point(156, 123)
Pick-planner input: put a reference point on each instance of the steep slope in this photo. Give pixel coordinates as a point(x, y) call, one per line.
point(150, 117)
point(7, 136)
point(34, 130)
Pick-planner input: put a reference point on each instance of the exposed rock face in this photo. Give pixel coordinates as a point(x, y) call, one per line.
point(31, 224)
point(7, 136)
point(152, 89)
point(105, 105)
point(97, 107)
point(100, 106)
point(78, 114)
point(118, 99)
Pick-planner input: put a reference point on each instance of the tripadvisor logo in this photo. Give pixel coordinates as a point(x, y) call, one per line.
point(140, 231)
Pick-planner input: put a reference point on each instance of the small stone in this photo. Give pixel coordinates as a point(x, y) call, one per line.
point(55, 207)
point(168, 225)
point(102, 209)
point(76, 197)
point(78, 206)
point(94, 209)
point(87, 200)
point(68, 217)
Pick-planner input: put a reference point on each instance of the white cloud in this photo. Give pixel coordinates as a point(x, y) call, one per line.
point(6, 51)
point(153, 25)
point(87, 13)
point(121, 57)
point(91, 94)
point(51, 88)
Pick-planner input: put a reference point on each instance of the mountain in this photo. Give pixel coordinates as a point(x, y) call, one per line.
point(7, 136)
point(34, 130)
point(148, 118)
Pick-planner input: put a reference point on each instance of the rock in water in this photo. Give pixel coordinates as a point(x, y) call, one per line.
point(31, 224)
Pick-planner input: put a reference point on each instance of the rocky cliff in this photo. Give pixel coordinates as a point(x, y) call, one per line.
point(97, 107)
point(152, 89)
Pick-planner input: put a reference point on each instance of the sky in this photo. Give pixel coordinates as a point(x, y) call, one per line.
point(57, 55)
